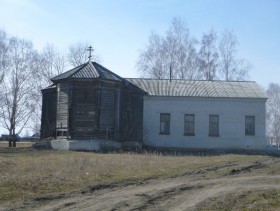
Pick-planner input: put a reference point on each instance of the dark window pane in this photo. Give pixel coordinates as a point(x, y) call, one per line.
point(250, 125)
point(213, 125)
point(164, 123)
point(189, 124)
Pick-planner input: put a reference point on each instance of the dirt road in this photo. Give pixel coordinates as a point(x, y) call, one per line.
point(192, 191)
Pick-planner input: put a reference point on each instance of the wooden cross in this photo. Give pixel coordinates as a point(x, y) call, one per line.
point(90, 49)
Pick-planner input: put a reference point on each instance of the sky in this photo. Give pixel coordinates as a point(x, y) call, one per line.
point(119, 29)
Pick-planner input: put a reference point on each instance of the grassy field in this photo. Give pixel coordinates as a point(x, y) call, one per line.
point(250, 200)
point(28, 173)
point(4, 144)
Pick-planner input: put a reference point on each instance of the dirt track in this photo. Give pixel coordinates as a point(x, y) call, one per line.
point(191, 191)
point(175, 194)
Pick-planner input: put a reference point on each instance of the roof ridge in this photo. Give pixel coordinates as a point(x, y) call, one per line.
point(166, 79)
point(189, 88)
point(79, 69)
point(101, 66)
point(65, 73)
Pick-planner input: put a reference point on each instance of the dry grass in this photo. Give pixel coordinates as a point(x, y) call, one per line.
point(5, 144)
point(250, 200)
point(31, 173)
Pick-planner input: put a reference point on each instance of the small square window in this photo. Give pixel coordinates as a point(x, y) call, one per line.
point(164, 123)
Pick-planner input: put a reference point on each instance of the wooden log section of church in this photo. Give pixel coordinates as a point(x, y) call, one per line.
point(84, 110)
point(62, 105)
point(131, 128)
point(117, 114)
point(107, 110)
point(49, 106)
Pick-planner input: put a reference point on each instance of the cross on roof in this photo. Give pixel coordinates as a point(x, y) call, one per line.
point(90, 49)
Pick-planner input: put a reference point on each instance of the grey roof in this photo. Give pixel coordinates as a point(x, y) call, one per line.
point(163, 87)
point(187, 88)
point(89, 70)
point(49, 88)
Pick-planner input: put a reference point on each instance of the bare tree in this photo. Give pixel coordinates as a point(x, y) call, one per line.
point(78, 54)
point(177, 49)
point(51, 63)
point(16, 108)
point(3, 54)
point(152, 61)
point(3, 61)
point(60, 62)
point(273, 111)
point(181, 50)
point(208, 55)
point(231, 68)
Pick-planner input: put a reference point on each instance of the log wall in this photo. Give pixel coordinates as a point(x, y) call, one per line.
point(84, 111)
point(105, 110)
point(48, 118)
point(98, 109)
point(62, 105)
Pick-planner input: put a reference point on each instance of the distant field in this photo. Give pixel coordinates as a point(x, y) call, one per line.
point(20, 144)
point(28, 174)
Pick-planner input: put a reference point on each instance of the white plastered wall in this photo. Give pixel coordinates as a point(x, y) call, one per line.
point(231, 113)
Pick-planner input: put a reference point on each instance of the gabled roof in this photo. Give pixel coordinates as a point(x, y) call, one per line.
point(187, 88)
point(89, 70)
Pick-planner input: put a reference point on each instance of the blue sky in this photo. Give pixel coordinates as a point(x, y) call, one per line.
point(118, 29)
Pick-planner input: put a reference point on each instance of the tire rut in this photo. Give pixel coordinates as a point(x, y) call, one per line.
point(259, 164)
point(148, 193)
point(152, 199)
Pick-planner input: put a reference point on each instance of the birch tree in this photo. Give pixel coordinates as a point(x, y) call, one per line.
point(152, 61)
point(208, 55)
point(3, 54)
point(181, 50)
point(231, 67)
point(78, 54)
point(3, 62)
point(273, 111)
point(177, 49)
point(17, 108)
point(50, 62)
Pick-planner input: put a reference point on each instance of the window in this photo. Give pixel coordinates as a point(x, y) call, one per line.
point(250, 125)
point(61, 132)
point(213, 125)
point(189, 124)
point(164, 123)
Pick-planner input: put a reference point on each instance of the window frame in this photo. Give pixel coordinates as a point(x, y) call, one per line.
point(166, 130)
point(187, 123)
point(212, 127)
point(251, 131)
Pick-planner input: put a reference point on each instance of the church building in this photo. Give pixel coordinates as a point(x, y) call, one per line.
point(91, 108)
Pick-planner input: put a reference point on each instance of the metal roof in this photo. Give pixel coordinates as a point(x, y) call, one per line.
point(187, 88)
point(89, 70)
point(163, 87)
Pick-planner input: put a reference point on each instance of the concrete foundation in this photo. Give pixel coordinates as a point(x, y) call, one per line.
point(98, 145)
